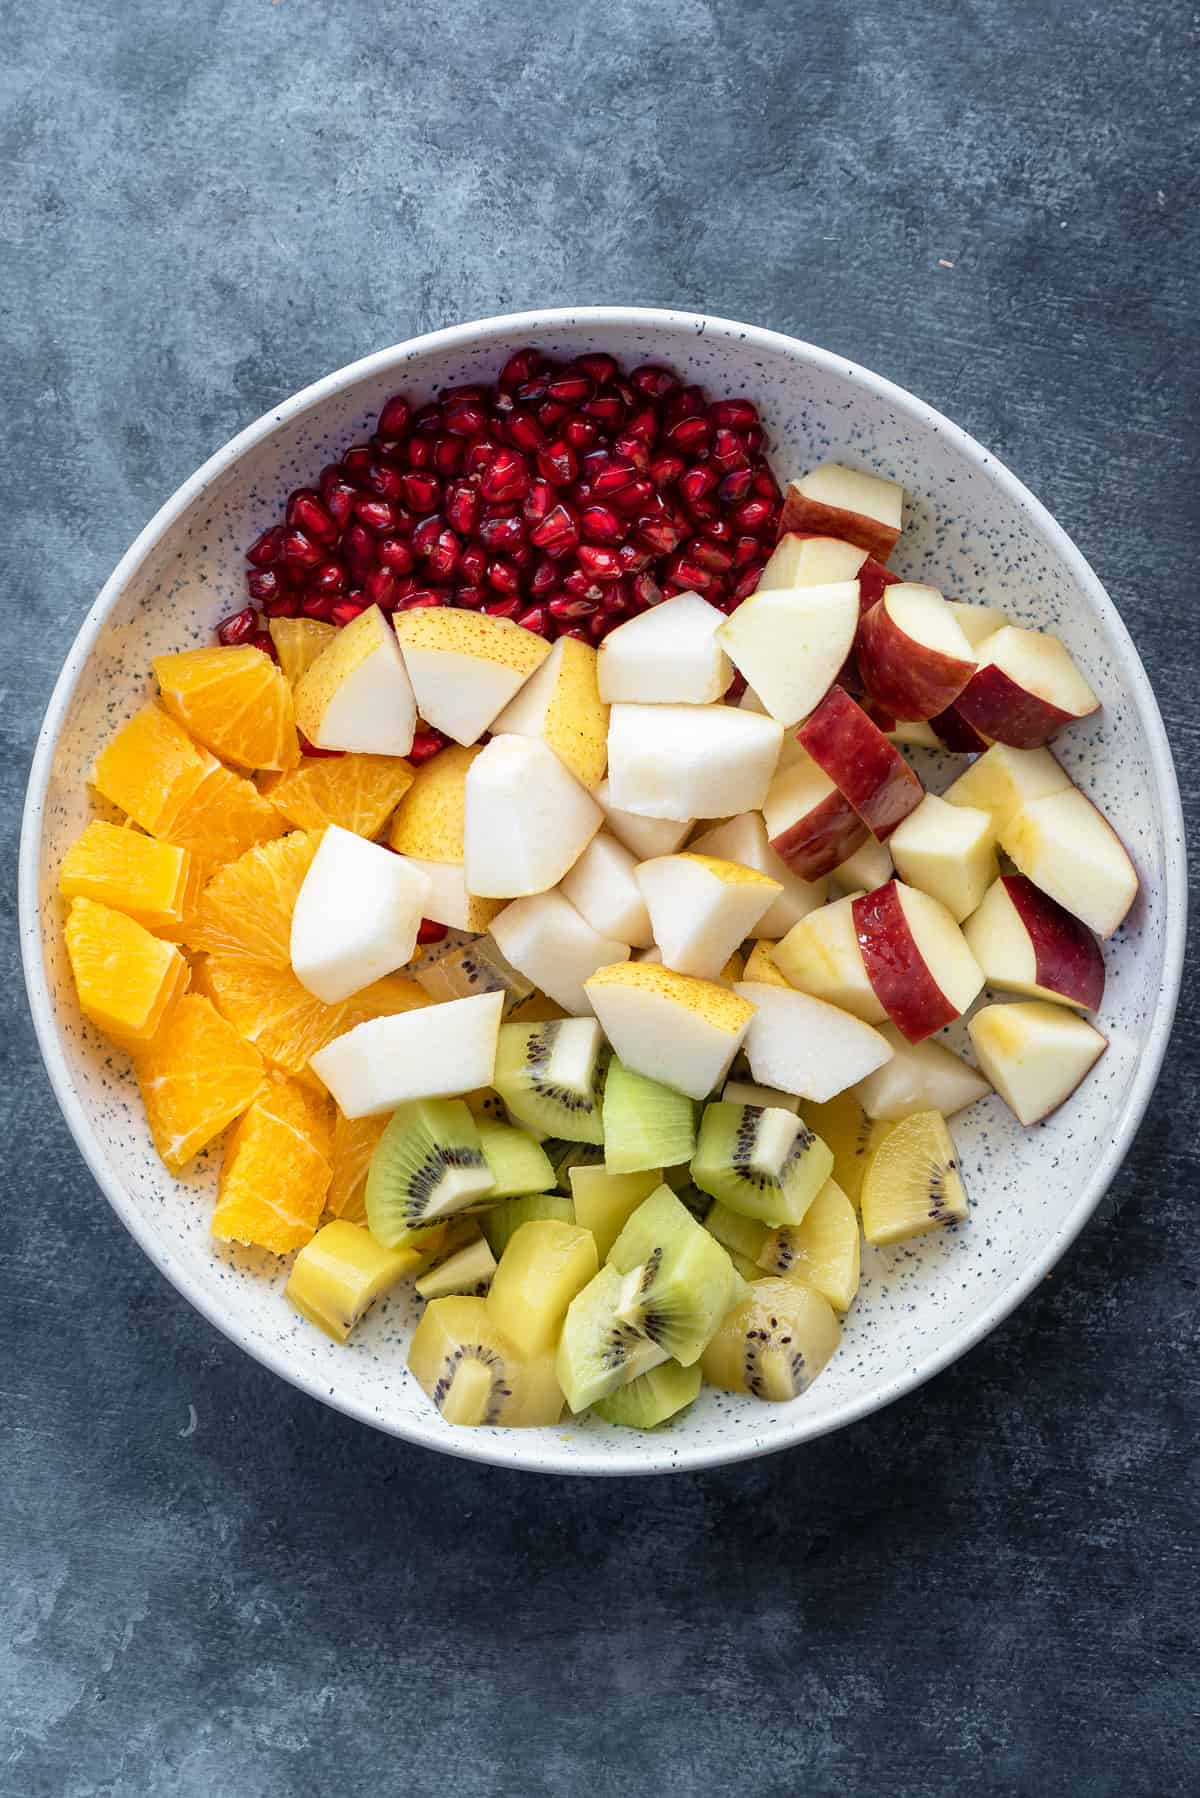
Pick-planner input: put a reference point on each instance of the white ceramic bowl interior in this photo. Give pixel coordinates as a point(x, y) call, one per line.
point(974, 531)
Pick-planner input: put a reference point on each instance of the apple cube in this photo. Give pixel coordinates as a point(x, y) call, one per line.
point(1004, 779)
point(744, 839)
point(643, 837)
point(526, 821)
point(684, 761)
point(561, 704)
point(603, 888)
point(545, 939)
point(1025, 689)
point(949, 852)
point(806, 1046)
point(669, 655)
point(433, 1053)
point(920, 1077)
point(1069, 849)
point(702, 908)
point(867, 770)
point(671, 1027)
point(798, 561)
point(916, 958)
point(860, 508)
point(911, 652)
point(1026, 942)
point(976, 622)
point(1034, 1054)
point(866, 869)
point(465, 666)
point(356, 915)
point(821, 956)
point(951, 731)
point(790, 643)
point(357, 694)
point(812, 827)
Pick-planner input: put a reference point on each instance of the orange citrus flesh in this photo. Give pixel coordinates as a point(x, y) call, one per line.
point(359, 792)
point(233, 700)
point(274, 1177)
point(127, 980)
point(147, 880)
point(246, 908)
point(152, 770)
point(298, 642)
point(270, 1008)
point(354, 1142)
point(195, 1077)
point(224, 818)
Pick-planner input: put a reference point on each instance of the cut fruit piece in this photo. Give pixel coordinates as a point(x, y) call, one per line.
point(298, 642)
point(911, 652)
point(151, 769)
point(652, 1398)
point(562, 706)
point(276, 1171)
point(432, 1053)
point(919, 1077)
point(823, 1251)
point(235, 701)
point(790, 644)
point(546, 939)
point(225, 817)
point(868, 867)
point(465, 666)
point(449, 902)
point(548, 1076)
point(428, 822)
point(527, 820)
point(701, 908)
point(356, 916)
point(868, 770)
point(744, 840)
point(153, 883)
point(1025, 689)
point(742, 1236)
point(853, 1137)
point(501, 1222)
point(1026, 942)
point(357, 792)
point(127, 981)
point(821, 956)
point(518, 1164)
point(429, 1164)
point(912, 1184)
point(269, 1008)
point(763, 1163)
point(774, 1343)
point(605, 1202)
point(807, 1046)
point(809, 561)
point(597, 1353)
point(354, 1142)
point(246, 908)
point(543, 1267)
point(947, 851)
point(1034, 1054)
point(761, 965)
point(603, 889)
point(976, 622)
point(916, 958)
point(678, 1281)
point(1070, 850)
point(671, 1027)
point(834, 501)
point(468, 1270)
point(476, 967)
point(341, 1271)
point(670, 655)
point(1003, 780)
point(812, 826)
point(646, 1124)
point(682, 761)
point(196, 1077)
point(564, 1156)
point(643, 837)
point(474, 1375)
point(745, 1092)
point(357, 694)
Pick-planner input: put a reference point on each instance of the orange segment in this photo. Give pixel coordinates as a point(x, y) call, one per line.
point(270, 1008)
point(146, 880)
point(359, 792)
point(246, 909)
point(152, 770)
point(233, 700)
point(275, 1177)
point(127, 980)
point(382, 999)
point(195, 1078)
point(223, 818)
point(354, 1143)
point(298, 642)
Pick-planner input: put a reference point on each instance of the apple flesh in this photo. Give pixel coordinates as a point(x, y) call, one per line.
point(669, 655)
point(526, 819)
point(547, 940)
point(1004, 779)
point(812, 827)
point(920, 1077)
point(860, 508)
point(744, 839)
point(701, 909)
point(789, 643)
point(947, 851)
point(821, 956)
point(806, 1046)
point(808, 561)
point(1025, 689)
point(690, 761)
point(916, 958)
point(868, 868)
point(867, 770)
point(603, 888)
point(356, 915)
point(976, 622)
point(1034, 1054)
point(1027, 943)
point(1070, 850)
point(911, 653)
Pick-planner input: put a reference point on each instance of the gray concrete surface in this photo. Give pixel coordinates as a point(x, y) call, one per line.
point(991, 1588)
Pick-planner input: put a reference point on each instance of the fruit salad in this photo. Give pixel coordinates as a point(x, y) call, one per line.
point(535, 893)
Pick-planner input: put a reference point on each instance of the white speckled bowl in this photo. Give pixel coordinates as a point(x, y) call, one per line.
point(974, 531)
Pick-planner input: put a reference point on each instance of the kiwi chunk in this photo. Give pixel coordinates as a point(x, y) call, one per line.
point(474, 967)
point(646, 1125)
point(775, 1343)
point(544, 1265)
point(474, 1374)
point(852, 1136)
point(468, 1269)
point(501, 1223)
point(427, 1164)
point(566, 1155)
point(549, 1077)
point(912, 1182)
point(678, 1282)
point(596, 1351)
point(519, 1165)
point(740, 1235)
point(653, 1397)
point(762, 1162)
point(605, 1202)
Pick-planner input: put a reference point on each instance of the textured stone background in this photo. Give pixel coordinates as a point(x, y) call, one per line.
point(991, 1587)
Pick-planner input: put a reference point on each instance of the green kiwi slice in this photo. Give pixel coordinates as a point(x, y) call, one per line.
point(759, 1161)
point(646, 1125)
point(428, 1164)
point(596, 1351)
point(519, 1165)
point(566, 1155)
point(652, 1398)
point(501, 1223)
point(474, 967)
point(548, 1075)
point(678, 1282)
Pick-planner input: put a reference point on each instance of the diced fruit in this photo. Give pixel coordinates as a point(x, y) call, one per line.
point(428, 1165)
point(358, 792)
point(643, 837)
point(430, 1054)
point(761, 965)
point(843, 1125)
point(821, 955)
point(671, 1027)
point(911, 652)
point(466, 1270)
point(357, 694)
point(823, 1250)
point(646, 1124)
point(465, 666)
point(356, 916)
point(807, 1046)
point(976, 622)
point(549, 942)
point(428, 824)
point(1025, 689)
point(791, 642)
point(834, 501)
point(235, 701)
point(270, 1008)
point(500, 1223)
point(947, 851)
point(275, 1173)
point(298, 642)
point(916, 958)
point(126, 979)
point(1069, 850)
point(518, 1165)
point(745, 1092)
point(604, 1202)
point(742, 1236)
point(868, 770)
point(683, 762)
point(527, 819)
point(701, 908)
point(151, 769)
point(597, 1352)
point(196, 1077)
point(543, 1267)
point(340, 1272)
point(246, 909)
point(653, 1397)
point(812, 826)
point(678, 1281)
point(602, 888)
point(474, 1375)
point(1034, 1054)
point(670, 655)
point(789, 750)
point(354, 1142)
point(922, 1076)
point(548, 1075)
point(744, 840)
point(225, 817)
point(561, 705)
point(475, 967)
point(763, 1163)
point(868, 867)
point(808, 561)
point(153, 883)
point(1026, 942)
point(912, 1183)
point(774, 1343)
point(1003, 780)
point(449, 902)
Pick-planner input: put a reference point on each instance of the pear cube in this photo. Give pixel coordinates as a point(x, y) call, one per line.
point(923, 1076)
point(702, 908)
point(356, 915)
point(465, 666)
point(603, 888)
point(357, 694)
point(527, 820)
point(805, 1046)
point(436, 1052)
point(744, 839)
point(547, 940)
point(681, 761)
point(669, 655)
point(671, 1027)
point(791, 642)
point(561, 705)
point(643, 837)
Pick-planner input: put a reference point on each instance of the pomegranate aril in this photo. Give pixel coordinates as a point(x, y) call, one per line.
point(265, 551)
point(581, 433)
point(506, 476)
point(568, 609)
point(608, 410)
point(289, 604)
point(422, 492)
point(719, 530)
point(471, 599)
point(385, 481)
point(329, 579)
point(697, 484)
point(465, 417)
point(753, 514)
point(425, 745)
point(306, 513)
point(394, 553)
point(346, 611)
point(686, 402)
point(429, 421)
point(734, 415)
point(238, 627)
point(381, 588)
point(263, 584)
point(356, 462)
point(558, 463)
point(521, 366)
point(661, 535)
point(754, 439)
point(633, 449)
point(569, 389)
point(448, 455)
point(727, 452)
point(299, 550)
point(736, 487)
point(418, 452)
point(462, 506)
point(545, 576)
point(429, 932)
point(747, 581)
point(479, 453)
point(643, 425)
point(503, 608)
point(688, 574)
point(534, 620)
point(598, 562)
point(520, 554)
point(602, 624)
point(537, 502)
point(746, 549)
point(525, 433)
point(532, 390)
point(664, 470)
point(503, 577)
point(612, 476)
point(434, 542)
point(766, 484)
point(424, 596)
point(394, 417)
point(599, 366)
point(646, 590)
point(387, 449)
point(633, 558)
point(358, 548)
point(551, 414)
point(636, 497)
point(262, 640)
point(710, 555)
point(557, 533)
point(689, 434)
point(319, 606)
point(339, 497)
point(472, 564)
point(501, 531)
point(654, 381)
point(376, 514)
point(600, 524)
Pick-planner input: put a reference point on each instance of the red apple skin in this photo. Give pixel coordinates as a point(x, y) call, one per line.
point(862, 764)
point(1067, 958)
point(903, 984)
point(996, 706)
point(812, 518)
point(904, 676)
point(959, 736)
point(821, 839)
point(873, 577)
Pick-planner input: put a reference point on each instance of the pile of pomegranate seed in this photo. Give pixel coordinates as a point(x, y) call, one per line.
point(568, 497)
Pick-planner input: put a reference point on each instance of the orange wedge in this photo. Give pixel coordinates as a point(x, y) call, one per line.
point(354, 1143)
point(152, 769)
point(274, 1177)
point(127, 980)
point(195, 1077)
point(246, 909)
point(149, 881)
point(269, 1007)
point(298, 642)
point(224, 818)
point(359, 792)
point(235, 701)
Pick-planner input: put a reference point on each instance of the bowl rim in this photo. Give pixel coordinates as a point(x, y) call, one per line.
point(518, 1448)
